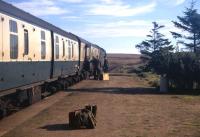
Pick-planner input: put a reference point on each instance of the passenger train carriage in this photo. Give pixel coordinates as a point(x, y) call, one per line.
point(36, 57)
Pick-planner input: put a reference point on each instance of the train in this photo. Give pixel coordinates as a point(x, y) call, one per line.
point(38, 58)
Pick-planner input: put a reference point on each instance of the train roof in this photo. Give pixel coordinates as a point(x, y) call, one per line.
point(88, 43)
point(98, 47)
point(25, 16)
point(85, 41)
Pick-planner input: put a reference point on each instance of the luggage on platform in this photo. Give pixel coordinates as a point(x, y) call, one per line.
point(83, 118)
point(105, 76)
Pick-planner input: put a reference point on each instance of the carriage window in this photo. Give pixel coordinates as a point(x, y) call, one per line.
point(69, 50)
point(57, 47)
point(43, 45)
point(83, 52)
point(13, 39)
point(66, 48)
point(43, 50)
point(13, 26)
point(26, 42)
point(88, 52)
point(63, 48)
point(13, 46)
point(57, 40)
point(72, 50)
point(42, 35)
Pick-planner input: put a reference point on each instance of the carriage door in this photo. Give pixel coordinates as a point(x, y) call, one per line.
point(1, 38)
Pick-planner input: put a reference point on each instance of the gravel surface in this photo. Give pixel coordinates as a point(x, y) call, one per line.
point(126, 108)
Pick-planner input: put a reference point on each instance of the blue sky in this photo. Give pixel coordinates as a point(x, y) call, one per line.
point(115, 25)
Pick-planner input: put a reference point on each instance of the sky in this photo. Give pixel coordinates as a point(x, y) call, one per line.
point(115, 25)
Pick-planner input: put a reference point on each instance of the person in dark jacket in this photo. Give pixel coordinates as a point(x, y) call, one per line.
point(96, 67)
point(86, 67)
point(105, 65)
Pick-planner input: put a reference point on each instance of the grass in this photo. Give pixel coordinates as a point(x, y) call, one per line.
point(147, 78)
point(190, 98)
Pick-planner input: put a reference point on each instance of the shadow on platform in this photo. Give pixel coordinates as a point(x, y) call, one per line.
point(56, 127)
point(114, 90)
point(60, 127)
point(133, 91)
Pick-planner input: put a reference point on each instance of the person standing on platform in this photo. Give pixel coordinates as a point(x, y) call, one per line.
point(96, 68)
point(86, 67)
point(105, 65)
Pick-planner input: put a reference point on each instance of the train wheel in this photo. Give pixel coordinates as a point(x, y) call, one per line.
point(79, 78)
point(74, 80)
point(3, 113)
point(34, 94)
point(52, 89)
point(59, 86)
point(67, 84)
point(3, 110)
point(70, 81)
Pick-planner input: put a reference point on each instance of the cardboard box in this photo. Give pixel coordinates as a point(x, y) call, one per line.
point(105, 76)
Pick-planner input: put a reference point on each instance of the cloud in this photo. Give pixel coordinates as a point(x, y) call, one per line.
point(72, 1)
point(124, 23)
point(179, 2)
point(113, 32)
point(172, 2)
point(119, 9)
point(133, 28)
point(127, 28)
point(71, 17)
point(41, 8)
point(107, 1)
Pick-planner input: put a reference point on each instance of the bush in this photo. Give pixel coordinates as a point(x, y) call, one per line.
point(154, 83)
point(184, 70)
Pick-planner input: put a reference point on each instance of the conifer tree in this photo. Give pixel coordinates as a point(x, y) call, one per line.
point(189, 24)
point(155, 41)
point(155, 50)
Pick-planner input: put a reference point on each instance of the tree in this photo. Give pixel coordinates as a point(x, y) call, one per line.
point(155, 41)
point(155, 49)
point(190, 25)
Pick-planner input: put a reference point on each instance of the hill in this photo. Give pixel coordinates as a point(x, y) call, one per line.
point(123, 63)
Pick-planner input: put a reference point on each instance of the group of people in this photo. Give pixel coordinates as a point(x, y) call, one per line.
point(94, 67)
